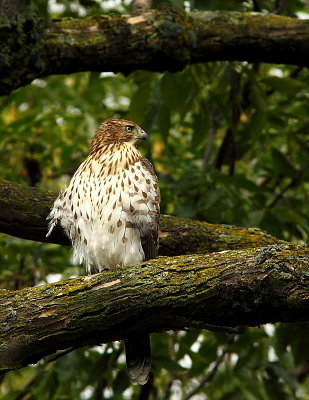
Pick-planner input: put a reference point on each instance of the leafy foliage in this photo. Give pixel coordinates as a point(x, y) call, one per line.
point(229, 142)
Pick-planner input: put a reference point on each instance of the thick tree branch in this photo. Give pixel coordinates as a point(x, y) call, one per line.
point(156, 40)
point(245, 287)
point(23, 212)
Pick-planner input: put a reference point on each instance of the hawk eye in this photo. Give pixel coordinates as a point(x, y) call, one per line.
point(129, 128)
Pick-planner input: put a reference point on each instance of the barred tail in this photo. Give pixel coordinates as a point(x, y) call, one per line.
point(138, 355)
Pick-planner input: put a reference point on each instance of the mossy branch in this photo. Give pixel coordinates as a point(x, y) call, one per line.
point(156, 40)
point(226, 289)
point(23, 212)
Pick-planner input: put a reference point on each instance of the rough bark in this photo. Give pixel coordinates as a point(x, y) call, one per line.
point(23, 212)
point(13, 8)
point(156, 40)
point(227, 289)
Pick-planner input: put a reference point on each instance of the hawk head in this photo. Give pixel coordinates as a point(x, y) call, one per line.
point(117, 131)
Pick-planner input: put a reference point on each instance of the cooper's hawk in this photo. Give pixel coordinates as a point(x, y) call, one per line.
point(110, 211)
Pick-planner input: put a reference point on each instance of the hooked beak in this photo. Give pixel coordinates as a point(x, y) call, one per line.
point(142, 135)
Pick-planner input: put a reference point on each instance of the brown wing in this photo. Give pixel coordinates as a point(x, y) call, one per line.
point(150, 240)
point(150, 245)
point(138, 351)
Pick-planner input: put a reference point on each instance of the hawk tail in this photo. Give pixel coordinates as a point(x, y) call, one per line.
point(138, 356)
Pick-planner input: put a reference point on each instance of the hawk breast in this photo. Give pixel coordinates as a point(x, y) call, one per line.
point(112, 210)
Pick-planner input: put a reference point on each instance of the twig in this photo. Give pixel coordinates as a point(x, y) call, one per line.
point(210, 376)
point(102, 382)
point(26, 389)
point(172, 376)
point(215, 121)
point(256, 6)
point(59, 355)
point(280, 6)
point(292, 183)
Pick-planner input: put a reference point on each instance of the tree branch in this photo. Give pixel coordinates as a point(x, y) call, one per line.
point(246, 287)
point(156, 40)
point(23, 212)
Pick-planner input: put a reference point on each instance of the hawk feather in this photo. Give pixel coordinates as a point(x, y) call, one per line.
point(110, 211)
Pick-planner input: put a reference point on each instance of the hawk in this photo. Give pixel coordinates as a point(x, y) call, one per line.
point(110, 211)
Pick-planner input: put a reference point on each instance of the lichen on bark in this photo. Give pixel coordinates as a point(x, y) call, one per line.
point(225, 289)
point(21, 37)
point(166, 39)
point(23, 212)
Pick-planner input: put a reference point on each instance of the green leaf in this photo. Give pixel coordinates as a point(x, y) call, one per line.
point(259, 116)
point(281, 164)
point(288, 86)
point(164, 122)
point(121, 382)
point(200, 128)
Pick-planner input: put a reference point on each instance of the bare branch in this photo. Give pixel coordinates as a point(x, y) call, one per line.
point(23, 212)
point(156, 40)
point(245, 287)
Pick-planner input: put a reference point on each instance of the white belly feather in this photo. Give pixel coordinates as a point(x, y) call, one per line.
point(104, 215)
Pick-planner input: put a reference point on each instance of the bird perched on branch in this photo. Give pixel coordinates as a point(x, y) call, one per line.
point(110, 211)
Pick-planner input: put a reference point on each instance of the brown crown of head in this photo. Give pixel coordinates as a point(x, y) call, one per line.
point(116, 131)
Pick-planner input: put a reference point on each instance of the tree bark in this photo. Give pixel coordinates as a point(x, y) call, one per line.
point(23, 212)
point(156, 40)
point(226, 289)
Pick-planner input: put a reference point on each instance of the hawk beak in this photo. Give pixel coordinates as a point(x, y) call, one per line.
point(142, 135)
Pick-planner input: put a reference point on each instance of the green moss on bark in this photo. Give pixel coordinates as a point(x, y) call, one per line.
point(157, 40)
